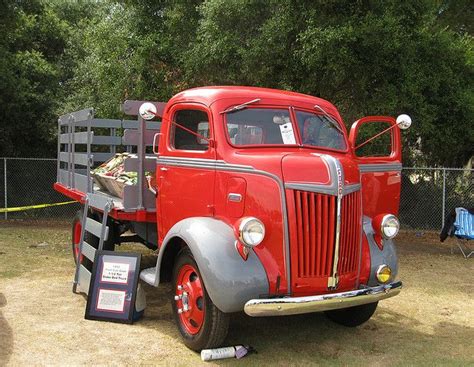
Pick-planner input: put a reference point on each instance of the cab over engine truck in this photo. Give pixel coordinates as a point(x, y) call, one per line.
point(262, 203)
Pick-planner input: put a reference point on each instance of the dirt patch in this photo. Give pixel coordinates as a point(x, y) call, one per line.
point(42, 322)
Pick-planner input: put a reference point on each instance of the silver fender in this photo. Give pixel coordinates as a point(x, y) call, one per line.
point(229, 280)
point(378, 257)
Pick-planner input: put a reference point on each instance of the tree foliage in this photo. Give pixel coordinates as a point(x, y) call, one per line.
point(33, 70)
point(366, 57)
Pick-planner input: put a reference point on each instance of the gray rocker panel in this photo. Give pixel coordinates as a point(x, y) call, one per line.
point(229, 280)
point(378, 257)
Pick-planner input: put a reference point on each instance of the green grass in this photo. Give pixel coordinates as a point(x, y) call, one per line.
point(20, 254)
point(430, 323)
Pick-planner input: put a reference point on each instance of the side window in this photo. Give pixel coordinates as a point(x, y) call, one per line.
point(190, 130)
point(380, 146)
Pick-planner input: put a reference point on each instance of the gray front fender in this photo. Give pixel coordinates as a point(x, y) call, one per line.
point(388, 255)
point(229, 280)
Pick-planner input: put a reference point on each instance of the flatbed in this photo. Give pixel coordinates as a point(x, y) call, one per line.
point(118, 211)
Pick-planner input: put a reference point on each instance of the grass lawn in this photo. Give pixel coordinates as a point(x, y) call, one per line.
point(42, 322)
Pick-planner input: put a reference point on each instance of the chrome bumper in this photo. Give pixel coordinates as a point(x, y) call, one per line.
point(326, 302)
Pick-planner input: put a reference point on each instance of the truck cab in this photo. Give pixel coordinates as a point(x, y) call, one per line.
point(264, 203)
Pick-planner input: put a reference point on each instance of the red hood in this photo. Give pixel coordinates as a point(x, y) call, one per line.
point(316, 168)
point(301, 166)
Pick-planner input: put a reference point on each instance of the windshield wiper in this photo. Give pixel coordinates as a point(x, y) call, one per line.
point(240, 106)
point(330, 118)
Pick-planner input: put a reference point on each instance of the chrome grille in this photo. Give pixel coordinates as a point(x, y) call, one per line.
point(315, 233)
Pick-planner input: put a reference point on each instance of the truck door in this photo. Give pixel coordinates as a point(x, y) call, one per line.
point(185, 171)
point(379, 161)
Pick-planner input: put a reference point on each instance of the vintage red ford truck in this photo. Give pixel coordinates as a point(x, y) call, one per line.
point(261, 203)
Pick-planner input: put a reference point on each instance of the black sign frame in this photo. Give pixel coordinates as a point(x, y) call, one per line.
point(108, 285)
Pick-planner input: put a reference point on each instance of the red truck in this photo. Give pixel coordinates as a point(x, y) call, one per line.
point(261, 202)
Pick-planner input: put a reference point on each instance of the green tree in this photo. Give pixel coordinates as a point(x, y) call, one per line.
point(131, 50)
point(367, 57)
point(31, 54)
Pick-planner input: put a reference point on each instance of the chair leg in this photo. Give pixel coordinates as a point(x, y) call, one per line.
point(467, 252)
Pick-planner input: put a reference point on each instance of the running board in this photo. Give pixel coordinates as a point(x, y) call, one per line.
point(149, 276)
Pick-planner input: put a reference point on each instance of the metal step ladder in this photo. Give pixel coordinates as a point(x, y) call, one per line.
point(82, 276)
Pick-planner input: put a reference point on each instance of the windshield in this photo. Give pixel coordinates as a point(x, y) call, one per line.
point(266, 126)
point(260, 126)
point(319, 131)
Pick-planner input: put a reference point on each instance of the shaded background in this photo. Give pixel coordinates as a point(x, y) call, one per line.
point(367, 57)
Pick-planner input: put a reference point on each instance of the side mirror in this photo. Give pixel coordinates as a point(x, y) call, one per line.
point(147, 111)
point(404, 121)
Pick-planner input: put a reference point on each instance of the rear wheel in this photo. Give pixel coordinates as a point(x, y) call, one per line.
point(89, 238)
point(76, 235)
point(201, 324)
point(352, 316)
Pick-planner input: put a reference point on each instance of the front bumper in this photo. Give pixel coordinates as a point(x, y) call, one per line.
point(326, 302)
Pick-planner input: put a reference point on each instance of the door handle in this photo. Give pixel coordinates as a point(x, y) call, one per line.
point(155, 147)
point(163, 169)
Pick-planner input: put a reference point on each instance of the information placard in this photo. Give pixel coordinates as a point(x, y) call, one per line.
point(113, 287)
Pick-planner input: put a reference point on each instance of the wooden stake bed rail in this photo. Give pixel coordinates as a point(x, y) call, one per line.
point(84, 142)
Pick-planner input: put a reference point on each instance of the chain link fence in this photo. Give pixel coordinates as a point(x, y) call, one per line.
point(428, 194)
point(29, 181)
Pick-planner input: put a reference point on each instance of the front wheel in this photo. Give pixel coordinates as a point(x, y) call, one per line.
point(201, 324)
point(352, 316)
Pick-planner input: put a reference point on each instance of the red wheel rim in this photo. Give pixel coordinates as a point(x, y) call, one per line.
point(189, 298)
point(77, 238)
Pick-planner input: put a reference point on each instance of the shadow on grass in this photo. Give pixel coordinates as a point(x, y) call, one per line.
point(313, 339)
point(391, 337)
point(6, 335)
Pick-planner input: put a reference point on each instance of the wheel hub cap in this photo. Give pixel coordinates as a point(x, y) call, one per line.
point(189, 298)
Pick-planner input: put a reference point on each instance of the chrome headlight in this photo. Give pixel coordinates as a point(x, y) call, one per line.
point(389, 226)
point(251, 231)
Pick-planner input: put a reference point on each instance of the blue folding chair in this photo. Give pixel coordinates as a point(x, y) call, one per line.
point(464, 230)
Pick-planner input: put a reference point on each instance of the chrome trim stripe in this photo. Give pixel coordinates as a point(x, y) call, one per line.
point(333, 280)
point(322, 189)
point(186, 159)
point(380, 167)
point(221, 165)
point(325, 302)
point(349, 189)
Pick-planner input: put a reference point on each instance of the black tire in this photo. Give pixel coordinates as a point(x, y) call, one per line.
point(89, 238)
point(352, 316)
point(212, 329)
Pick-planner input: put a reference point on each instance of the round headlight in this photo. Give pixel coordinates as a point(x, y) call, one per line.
point(384, 274)
point(389, 226)
point(251, 231)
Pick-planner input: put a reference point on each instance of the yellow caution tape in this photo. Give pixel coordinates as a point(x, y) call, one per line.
point(21, 208)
